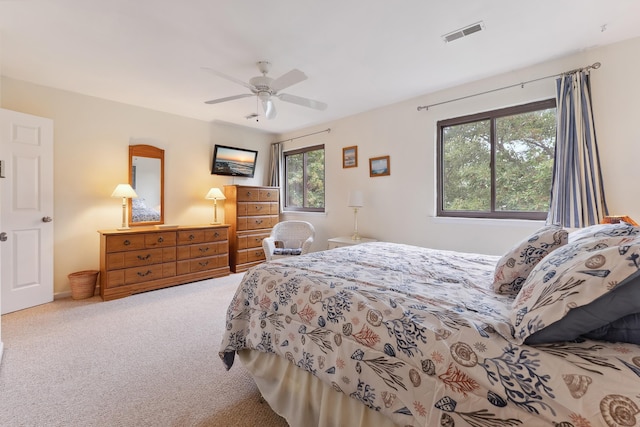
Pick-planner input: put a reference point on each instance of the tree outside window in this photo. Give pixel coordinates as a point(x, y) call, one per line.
point(304, 179)
point(497, 164)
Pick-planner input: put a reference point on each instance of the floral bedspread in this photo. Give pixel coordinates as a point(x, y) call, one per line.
point(419, 335)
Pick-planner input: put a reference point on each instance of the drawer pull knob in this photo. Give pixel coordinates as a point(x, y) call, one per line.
point(204, 249)
point(160, 240)
point(144, 258)
point(204, 264)
point(216, 234)
point(127, 242)
point(258, 208)
point(248, 193)
point(191, 237)
point(141, 274)
point(259, 221)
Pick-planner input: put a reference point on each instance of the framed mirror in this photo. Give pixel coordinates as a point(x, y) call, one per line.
point(146, 176)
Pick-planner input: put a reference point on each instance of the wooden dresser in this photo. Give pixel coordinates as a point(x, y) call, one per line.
point(146, 258)
point(251, 212)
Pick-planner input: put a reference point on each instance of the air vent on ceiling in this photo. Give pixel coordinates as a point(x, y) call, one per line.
point(463, 32)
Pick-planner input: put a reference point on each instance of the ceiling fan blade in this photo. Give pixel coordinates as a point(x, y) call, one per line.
point(305, 102)
point(229, 98)
point(288, 79)
point(232, 79)
point(269, 109)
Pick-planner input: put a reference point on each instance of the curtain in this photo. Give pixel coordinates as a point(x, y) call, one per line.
point(577, 191)
point(275, 169)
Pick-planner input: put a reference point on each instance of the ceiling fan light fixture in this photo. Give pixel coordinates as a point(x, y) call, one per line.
point(264, 88)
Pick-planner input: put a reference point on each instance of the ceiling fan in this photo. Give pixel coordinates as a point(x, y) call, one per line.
point(266, 88)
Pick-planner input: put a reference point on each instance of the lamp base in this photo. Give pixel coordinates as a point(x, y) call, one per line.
point(355, 236)
point(216, 223)
point(123, 228)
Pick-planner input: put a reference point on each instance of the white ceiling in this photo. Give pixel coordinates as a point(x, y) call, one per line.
point(358, 54)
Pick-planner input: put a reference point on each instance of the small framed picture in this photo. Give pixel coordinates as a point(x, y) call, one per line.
point(350, 157)
point(379, 166)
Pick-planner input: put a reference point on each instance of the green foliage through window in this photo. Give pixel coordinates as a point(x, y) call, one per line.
point(304, 179)
point(497, 164)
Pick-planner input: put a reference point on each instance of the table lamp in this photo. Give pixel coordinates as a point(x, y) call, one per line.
point(215, 194)
point(125, 191)
point(355, 201)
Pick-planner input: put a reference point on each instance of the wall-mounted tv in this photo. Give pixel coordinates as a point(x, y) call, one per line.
point(233, 161)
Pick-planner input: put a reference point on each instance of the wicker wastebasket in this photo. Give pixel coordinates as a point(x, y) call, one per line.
point(83, 283)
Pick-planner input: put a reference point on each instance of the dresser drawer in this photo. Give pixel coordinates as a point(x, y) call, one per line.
point(142, 274)
point(154, 240)
point(202, 264)
point(258, 208)
point(251, 240)
point(201, 250)
point(117, 260)
point(269, 195)
point(258, 222)
point(190, 236)
point(216, 235)
point(125, 243)
point(248, 194)
point(250, 255)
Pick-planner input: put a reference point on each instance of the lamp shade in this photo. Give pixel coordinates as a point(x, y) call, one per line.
point(124, 190)
point(215, 194)
point(355, 198)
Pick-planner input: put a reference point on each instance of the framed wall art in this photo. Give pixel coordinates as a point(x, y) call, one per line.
point(379, 166)
point(350, 157)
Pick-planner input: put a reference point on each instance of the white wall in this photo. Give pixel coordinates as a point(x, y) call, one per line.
point(401, 207)
point(91, 149)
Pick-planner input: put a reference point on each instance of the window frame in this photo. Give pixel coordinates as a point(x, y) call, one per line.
point(491, 116)
point(303, 151)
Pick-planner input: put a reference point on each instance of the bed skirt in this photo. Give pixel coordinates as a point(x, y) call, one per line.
point(304, 400)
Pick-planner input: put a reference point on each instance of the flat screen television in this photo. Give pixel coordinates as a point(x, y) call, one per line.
point(233, 161)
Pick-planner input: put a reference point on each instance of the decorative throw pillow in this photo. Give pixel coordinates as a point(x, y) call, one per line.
point(578, 288)
point(604, 230)
point(514, 266)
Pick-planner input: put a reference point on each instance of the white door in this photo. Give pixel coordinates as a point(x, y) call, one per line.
point(26, 211)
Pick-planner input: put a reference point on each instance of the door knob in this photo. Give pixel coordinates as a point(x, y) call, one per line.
point(3, 237)
point(47, 219)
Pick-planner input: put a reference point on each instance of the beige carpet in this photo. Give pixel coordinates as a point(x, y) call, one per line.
point(146, 360)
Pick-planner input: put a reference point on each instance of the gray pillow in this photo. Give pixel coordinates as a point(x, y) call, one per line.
point(600, 319)
point(578, 288)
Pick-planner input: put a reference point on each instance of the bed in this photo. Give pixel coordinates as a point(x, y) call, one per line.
point(140, 212)
point(389, 334)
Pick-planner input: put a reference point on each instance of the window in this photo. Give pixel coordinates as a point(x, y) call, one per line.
point(497, 164)
point(304, 179)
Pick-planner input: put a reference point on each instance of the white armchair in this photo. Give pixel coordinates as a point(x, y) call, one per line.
point(288, 238)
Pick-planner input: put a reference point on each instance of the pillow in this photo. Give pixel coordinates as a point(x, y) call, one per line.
point(514, 266)
point(604, 230)
point(625, 329)
point(287, 251)
point(578, 288)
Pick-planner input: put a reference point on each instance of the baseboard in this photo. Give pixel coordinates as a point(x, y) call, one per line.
point(67, 294)
point(61, 295)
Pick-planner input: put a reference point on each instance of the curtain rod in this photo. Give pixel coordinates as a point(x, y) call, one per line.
point(595, 66)
point(302, 136)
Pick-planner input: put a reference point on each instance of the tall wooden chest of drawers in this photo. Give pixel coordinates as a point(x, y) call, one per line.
point(146, 258)
point(251, 213)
